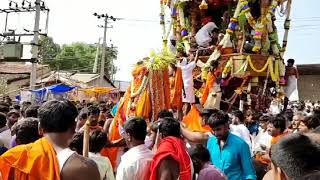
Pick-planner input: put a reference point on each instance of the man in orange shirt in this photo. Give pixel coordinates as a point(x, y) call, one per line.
point(276, 128)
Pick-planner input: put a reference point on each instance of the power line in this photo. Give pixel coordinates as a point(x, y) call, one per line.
point(139, 20)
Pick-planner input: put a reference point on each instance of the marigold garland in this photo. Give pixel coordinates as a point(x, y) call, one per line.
point(258, 70)
point(227, 68)
point(273, 73)
point(141, 88)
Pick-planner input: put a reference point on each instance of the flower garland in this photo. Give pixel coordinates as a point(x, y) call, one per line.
point(227, 68)
point(232, 25)
point(151, 89)
point(259, 26)
point(276, 71)
point(273, 73)
point(258, 70)
point(141, 88)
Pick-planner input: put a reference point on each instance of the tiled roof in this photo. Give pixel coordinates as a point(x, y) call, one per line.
point(18, 68)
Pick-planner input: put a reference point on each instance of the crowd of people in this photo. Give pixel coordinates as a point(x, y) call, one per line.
point(47, 142)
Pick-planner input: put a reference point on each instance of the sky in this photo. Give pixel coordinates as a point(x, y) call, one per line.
point(139, 32)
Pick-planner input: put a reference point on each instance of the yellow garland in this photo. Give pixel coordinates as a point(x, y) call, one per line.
point(227, 68)
point(256, 70)
point(276, 72)
point(273, 73)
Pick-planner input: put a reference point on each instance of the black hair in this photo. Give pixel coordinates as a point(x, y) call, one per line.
point(154, 126)
point(3, 150)
point(278, 121)
point(4, 109)
point(239, 114)
point(136, 127)
point(170, 127)
point(77, 143)
point(289, 114)
point(27, 103)
point(165, 114)
point(93, 110)
point(83, 115)
point(98, 140)
point(103, 107)
point(208, 112)
point(213, 65)
point(217, 119)
point(311, 122)
point(216, 30)
point(32, 111)
point(264, 118)
point(290, 61)
point(296, 154)
point(200, 152)
point(13, 112)
point(27, 131)
point(57, 116)
point(16, 107)
point(3, 119)
point(256, 115)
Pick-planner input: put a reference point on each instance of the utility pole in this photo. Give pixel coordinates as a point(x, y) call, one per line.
point(34, 59)
point(95, 65)
point(104, 45)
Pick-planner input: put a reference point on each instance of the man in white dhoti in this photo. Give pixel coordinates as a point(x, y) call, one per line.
point(291, 89)
point(188, 96)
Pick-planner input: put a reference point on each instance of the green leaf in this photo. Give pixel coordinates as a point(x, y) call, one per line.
point(242, 20)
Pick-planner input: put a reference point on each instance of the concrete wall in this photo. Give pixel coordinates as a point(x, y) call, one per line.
point(309, 87)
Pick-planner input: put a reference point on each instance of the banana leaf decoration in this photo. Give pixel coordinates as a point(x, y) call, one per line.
point(161, 60)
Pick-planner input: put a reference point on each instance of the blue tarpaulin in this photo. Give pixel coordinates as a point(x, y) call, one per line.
point(57, 88)
point(60, 88)
point(41, 93)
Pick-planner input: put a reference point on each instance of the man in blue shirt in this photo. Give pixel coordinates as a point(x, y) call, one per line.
point(228, 152)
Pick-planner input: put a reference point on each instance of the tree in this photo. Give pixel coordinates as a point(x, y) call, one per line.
point(76, 56)
point(48, 49)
